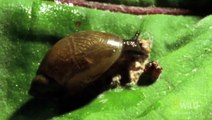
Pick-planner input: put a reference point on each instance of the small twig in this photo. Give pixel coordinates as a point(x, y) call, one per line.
point(127, 9)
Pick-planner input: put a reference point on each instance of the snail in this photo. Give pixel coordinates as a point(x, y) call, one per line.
point(78, 61)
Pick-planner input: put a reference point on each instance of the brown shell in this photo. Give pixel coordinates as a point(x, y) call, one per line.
point(79, 59)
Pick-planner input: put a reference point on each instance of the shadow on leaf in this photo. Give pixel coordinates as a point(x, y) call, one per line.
point(42, 109)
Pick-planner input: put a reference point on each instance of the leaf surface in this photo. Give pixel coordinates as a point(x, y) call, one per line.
point(181, 44)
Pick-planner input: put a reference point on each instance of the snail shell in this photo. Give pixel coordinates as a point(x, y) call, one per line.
point(76, 61)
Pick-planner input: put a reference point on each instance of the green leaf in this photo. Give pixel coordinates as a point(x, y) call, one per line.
point(181, 44)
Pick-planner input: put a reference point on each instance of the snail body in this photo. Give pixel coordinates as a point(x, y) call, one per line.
point(78, 60)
